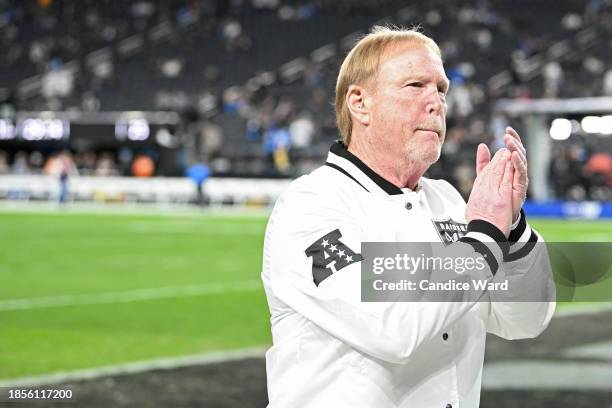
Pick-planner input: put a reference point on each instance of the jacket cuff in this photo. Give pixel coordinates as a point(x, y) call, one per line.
point(518, 228)
point(522, 239)
point(489, 241)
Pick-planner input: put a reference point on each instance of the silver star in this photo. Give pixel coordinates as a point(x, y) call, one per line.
point(325, 243)
point(349, 258)
point(340, 253)
point(333, 248)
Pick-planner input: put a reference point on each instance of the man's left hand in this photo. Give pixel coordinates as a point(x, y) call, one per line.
point(520, 181)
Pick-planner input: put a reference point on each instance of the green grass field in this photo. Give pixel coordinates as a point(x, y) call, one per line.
point(70, 257)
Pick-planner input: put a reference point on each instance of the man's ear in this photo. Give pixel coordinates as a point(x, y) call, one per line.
point(357, 104)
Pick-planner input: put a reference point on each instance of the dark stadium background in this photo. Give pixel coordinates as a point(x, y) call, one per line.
point(143, 143)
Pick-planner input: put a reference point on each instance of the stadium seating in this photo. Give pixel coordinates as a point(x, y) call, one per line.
point(240, 72)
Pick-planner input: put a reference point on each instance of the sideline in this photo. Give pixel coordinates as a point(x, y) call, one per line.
point(136, 367)
point(547, 375)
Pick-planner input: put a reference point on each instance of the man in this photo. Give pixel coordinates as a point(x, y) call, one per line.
point(330, 348)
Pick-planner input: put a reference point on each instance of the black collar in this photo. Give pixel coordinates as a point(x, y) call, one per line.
point(340, 149)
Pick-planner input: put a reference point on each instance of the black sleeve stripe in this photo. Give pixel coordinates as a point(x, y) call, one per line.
point(525, 249)
point(341, 170)
point(485, 227)
point(516, 233)
point(482, 249)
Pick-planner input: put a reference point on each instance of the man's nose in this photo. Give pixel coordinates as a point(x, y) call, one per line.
point(434, 102)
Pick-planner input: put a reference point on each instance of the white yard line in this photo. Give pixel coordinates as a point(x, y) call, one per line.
point(198, 290)
point(136, 367)
point(551, 375)
point(129, 295)
point(601, 350)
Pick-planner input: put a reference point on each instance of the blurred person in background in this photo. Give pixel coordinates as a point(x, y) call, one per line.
point(302, 130)
point(20, 163)
point(4, 166)
point(598, 170)
point(106, 165)
point(553, 77)
point(277, 142)
point(37, 161)
point(607, 81)
point(600, 164)
point(86, 163)
point(62, 167)
point(566, 173)
point(143, 166)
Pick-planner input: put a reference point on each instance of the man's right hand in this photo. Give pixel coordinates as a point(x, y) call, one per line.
point(491, 196)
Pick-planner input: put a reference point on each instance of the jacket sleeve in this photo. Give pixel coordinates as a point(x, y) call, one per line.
point(526, 309)
point(389, 331)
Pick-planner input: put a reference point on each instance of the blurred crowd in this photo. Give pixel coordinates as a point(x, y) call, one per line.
point(35, 163)
point(577, 174)
point(249, 112)
point(102, 164)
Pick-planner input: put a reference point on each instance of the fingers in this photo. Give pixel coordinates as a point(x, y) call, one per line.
point(515, 146)
point(514, 134)
point(491, 196)
point(497, 170)
point(498, 165)
point(518, 151)
point(520, 174)
point(519, 155)
point(483, 157)
point(506, 183)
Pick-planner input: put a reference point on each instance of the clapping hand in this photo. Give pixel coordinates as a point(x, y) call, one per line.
point(520, 179)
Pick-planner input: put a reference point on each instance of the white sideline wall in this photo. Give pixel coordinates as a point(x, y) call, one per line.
point(156, 189)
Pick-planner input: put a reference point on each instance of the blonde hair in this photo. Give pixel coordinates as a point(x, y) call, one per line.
point(362, 62)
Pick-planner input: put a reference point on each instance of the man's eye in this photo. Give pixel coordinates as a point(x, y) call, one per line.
point(415, 84)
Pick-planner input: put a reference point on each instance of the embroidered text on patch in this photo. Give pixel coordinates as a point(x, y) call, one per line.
point(449, 230)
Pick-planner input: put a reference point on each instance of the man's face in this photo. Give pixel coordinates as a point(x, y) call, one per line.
point(408, 115)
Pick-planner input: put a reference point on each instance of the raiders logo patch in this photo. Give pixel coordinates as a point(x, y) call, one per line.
point(449, 230)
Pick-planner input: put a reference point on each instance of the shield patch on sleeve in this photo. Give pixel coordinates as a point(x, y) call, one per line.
point(449, 230)
point(329, 255)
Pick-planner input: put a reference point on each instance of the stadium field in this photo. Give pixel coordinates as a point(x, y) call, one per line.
point(83, 290)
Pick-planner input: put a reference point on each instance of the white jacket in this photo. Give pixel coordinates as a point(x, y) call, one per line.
point(330, 349)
